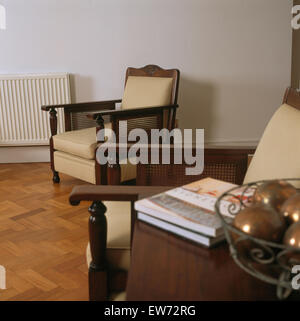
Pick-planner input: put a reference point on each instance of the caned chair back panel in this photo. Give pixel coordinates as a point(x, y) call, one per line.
point(174, 175)
point(147, 123)
point(76, 121)
point(80, 121)
point(227, 165)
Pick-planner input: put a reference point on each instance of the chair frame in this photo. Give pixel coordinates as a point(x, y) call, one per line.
point(292, 97)
point(105, 175)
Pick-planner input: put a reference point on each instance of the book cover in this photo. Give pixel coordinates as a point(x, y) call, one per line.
point(178, 230)
point(191, 206)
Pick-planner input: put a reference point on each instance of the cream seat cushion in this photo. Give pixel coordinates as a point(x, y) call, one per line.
point(75, 155)
point(118, 216)
point(278, 152)
point(80, 143)
point(75, 166)
point(84, 169)
point(146, 92)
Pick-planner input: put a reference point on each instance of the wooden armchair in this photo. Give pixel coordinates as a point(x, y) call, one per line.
point(276, 156)
point(108, 253)
point(149, 101)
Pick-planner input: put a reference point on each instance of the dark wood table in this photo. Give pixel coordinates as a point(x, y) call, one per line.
point(167, 267)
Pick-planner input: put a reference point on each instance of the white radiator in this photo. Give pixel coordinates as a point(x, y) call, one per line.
point(21, 96)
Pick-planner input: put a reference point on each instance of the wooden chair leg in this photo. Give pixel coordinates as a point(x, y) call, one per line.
point(98, 281)
point(55, 178)
point(100, 173)
point(97, 292)
point(114, 174)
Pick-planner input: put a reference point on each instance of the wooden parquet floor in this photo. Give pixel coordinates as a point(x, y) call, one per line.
point(42, 238)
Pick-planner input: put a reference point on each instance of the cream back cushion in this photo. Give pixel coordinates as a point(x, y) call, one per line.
point(147, 92)
point(278, 152)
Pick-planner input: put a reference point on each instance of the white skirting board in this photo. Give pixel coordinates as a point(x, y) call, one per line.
point(28, 154)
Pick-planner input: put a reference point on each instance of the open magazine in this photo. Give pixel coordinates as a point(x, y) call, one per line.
point(204, 193)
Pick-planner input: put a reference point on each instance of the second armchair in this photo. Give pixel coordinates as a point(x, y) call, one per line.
point(149, 101)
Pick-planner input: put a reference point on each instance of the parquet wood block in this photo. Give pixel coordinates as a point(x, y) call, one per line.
point(42, 238)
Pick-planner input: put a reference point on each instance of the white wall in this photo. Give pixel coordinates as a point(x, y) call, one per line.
point(234, 55)
point(296, 55)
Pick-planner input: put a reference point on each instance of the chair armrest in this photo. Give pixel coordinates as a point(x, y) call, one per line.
point(229, 150)
point(85, 106)
point(75, 108)
point(138, 112)
point(112, 193)
point(98, 268)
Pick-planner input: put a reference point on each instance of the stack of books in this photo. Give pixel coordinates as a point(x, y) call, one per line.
point(188, 211)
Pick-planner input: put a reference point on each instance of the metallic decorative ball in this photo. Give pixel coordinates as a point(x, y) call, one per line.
point(292, 236)
point(290, 209)
point(273, 193)
point(262, 222)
